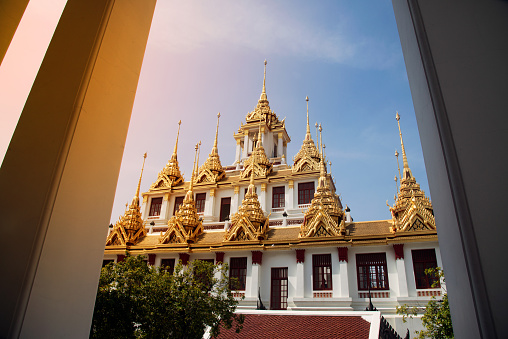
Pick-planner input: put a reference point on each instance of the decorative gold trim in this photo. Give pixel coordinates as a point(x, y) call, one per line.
point(291, 184)
point(170, 176)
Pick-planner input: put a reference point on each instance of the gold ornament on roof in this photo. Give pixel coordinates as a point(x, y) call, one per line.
point(257, 162)
point(212, 170)
point(185, 226)
point(412, 209)
point(263, 111)
point(130, 228)
point(325, 217)
point(307, 158)
point(249, 223)
point(170, 176)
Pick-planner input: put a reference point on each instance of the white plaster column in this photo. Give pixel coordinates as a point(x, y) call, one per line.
point(401, 269)
point(235, 200)
point(343, 272)
point(262, 197)
point(245, 144)
point(238, 151)
point(144, 212)
point(290, 195)
point(254, 285)
point(300, 274)
point(210, 206)
point(280, 146)
point(165, 206)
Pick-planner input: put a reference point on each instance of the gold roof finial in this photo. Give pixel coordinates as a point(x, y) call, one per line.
point(263, 92)
point(307, 158)
point(307, 134)
point(177, 135)
point(404, 158)
point(398, 166)
point(216, 133)
point(191, 186)
point(139, 182)
point(320, 140)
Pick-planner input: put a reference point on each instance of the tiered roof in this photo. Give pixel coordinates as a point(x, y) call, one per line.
point(170, 176)
point(308, 157)
point(212, 170)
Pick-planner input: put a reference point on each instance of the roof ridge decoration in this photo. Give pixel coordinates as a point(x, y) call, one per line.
point(185, 226)
point(170, 176)
point(325, 217)
point(263, 111)
point(249, 223)
point(258, 161)
point(129, 228)
point(212, 170)
point(308, 157)
point(412, 209)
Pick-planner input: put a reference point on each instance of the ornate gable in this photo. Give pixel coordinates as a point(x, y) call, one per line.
point(185, 225)
point(130, 228)
point(257, 163)
point(170, 176)
point(412, 210)
point(324, 218)
point(249, 223)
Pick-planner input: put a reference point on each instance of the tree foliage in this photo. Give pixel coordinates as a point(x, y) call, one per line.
point(436, 316)
point(135, 300)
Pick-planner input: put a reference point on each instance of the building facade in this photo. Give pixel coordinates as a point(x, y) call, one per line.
point(281, 227)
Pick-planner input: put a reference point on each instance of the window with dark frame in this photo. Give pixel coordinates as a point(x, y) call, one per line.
point(371, 268)
point(225, 208)
point(178, 202)
point(168, 265)
point(305, 192)
point(278, 197)
point(155, 207)
point(423, 260)
point(200, 202)
point(279, 289)
point(238, 270)
point(321, 272)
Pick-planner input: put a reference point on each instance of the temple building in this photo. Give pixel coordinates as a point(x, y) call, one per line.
point(281, 228)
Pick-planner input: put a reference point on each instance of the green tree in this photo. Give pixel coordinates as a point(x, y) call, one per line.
point(135, 300)
point(436, 316)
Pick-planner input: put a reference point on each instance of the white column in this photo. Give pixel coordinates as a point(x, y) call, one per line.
point(165, 206)
point(245, 144)
point(144, 212)
point(280, 146)
point(254, 286)
point(210, 206)
point(300, 280)
point(401, 275)
point(262, 197)
point(289, 195)
point(236, 200)
point(238, 151)
point(344, 282)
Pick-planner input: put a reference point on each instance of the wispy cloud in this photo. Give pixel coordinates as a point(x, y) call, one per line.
point(187, 26)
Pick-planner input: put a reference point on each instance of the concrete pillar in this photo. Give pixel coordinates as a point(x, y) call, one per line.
point(245, 144)
point(401, 276)
point(262, 197)
point(63, 163)
point(343, 272)
point(11, 12)
point(455, 54)
point(235, 201)
point(290, 195)
point(300, 273)
point(210, 205)
point(165, 206)
point(254, 281)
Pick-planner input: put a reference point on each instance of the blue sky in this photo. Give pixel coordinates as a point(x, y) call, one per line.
point(203, 57)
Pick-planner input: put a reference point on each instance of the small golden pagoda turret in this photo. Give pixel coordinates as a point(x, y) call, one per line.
point(170, 176)
point(212, 170)
point(185, 225)
point(307, 158)
point(249, 223)
point(257, 162)
point(325, 217)
point(129, 229)
point(412, 209)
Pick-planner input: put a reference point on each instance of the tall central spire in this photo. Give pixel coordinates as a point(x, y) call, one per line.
point(307, 134)
point(177, 135)
point(136, 197)
point(263, 92)
point(216, 135)
point(406, 170)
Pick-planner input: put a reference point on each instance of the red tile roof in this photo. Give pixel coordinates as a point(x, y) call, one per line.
point(299, 326)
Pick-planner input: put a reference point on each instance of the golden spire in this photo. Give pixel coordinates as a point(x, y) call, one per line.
point(320, 140)
point(211, 170)
point(170, 174)
point(317, 136)
point(398, 166)
point(258, 161)
point(307, 158)
point(406, 169)
point(263, 92)
point(324, 216)
point(177, 135)
point(412, 209)
point(130, 228)
point(191, 186)
point(136, 197)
